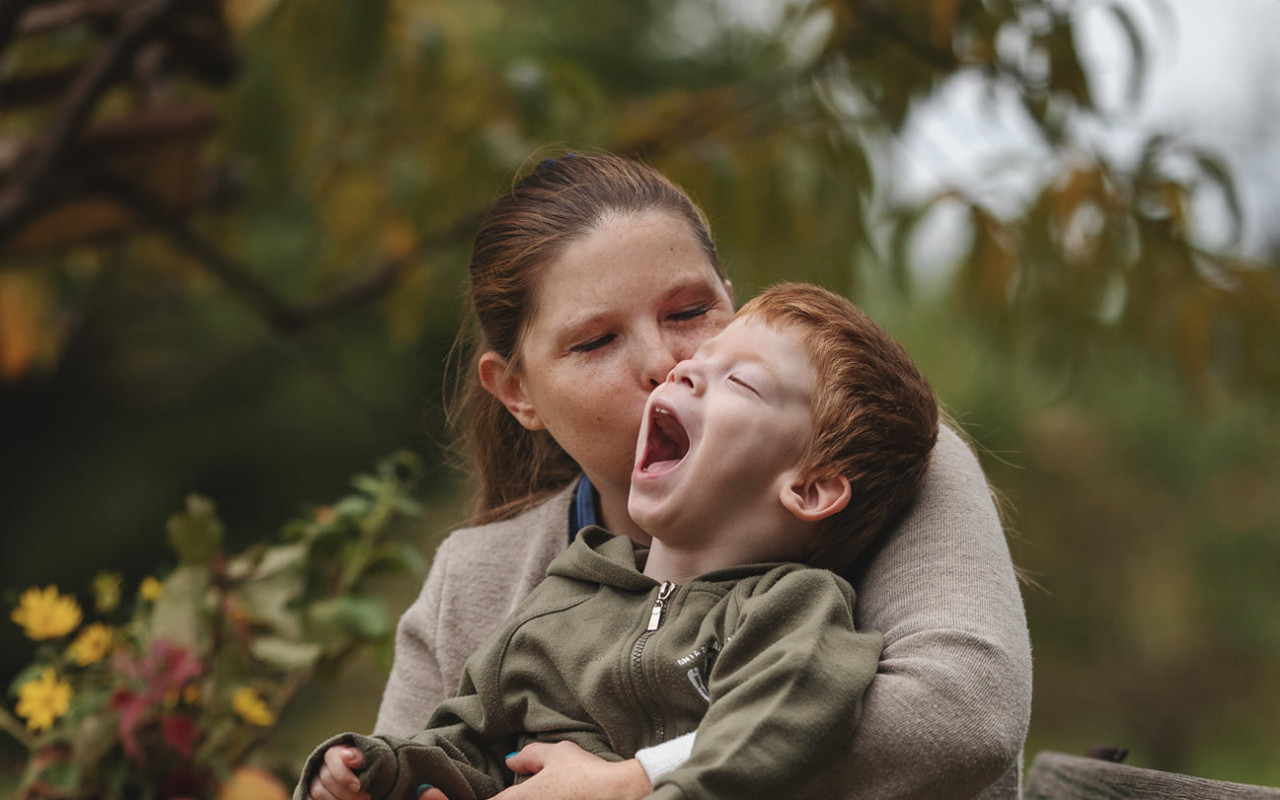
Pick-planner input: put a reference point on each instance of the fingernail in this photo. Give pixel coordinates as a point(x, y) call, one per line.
point(425, 787)
point(511, 755)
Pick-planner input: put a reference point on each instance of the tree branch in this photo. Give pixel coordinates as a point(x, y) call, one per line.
point(280, 315)
point(10, 12)
point(28, 191)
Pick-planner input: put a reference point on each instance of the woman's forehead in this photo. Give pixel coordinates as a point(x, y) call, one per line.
point(628, 262)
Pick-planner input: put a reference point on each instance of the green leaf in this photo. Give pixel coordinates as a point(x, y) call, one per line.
point(178, 613)
point(395, 557)
point(1217, 171)
point(1137, 49)
point(94, 738)
point(63, 775)
point(352, 507)
point(30, 673)
point(286, 653)
point(269, 596)
point(196, 534)
point(349, 616)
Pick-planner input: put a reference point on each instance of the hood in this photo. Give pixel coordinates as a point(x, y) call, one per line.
point(600, 557)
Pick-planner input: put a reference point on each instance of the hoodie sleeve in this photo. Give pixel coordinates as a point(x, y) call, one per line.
point(394, 768)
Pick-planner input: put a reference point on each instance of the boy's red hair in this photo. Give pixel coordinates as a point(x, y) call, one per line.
point(875, 416)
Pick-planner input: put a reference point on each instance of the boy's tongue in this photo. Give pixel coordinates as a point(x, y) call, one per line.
point(668, 442)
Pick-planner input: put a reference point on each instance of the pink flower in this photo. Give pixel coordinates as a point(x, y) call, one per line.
point(180, 733)
point(166, 668)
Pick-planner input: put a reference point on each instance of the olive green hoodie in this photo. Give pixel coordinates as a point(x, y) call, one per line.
point(762, 660)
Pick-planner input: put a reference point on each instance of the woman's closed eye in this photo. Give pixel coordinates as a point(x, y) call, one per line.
point(690, 313)
point(593, 344)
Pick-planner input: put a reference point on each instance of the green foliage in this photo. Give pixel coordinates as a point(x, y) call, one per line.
point(1094, 323)
point(179, 691)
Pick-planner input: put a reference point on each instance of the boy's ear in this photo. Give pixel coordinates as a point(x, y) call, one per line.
point(504, 384)
point(815, 497)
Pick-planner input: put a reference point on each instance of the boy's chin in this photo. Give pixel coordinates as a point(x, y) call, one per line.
point(646, 516)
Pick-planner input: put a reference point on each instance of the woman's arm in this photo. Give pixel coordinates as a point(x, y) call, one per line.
point(478, 576)
point(947, 713)
point(416, 685)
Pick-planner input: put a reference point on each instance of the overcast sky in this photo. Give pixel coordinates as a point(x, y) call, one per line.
point(1214, 79)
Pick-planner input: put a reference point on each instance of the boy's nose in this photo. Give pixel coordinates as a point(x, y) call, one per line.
point(683, 373)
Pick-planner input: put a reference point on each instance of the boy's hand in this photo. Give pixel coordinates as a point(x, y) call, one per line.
point(337, 779)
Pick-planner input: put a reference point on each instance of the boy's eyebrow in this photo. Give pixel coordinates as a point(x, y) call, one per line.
point(764, 364)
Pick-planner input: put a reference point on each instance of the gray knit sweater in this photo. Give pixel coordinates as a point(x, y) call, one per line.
point(947, 713)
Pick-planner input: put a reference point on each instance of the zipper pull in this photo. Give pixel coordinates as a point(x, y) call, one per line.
point(664, 593)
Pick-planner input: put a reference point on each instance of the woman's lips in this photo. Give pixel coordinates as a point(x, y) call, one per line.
point(667, 441)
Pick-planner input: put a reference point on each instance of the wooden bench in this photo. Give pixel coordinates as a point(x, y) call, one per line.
point(1057, 776)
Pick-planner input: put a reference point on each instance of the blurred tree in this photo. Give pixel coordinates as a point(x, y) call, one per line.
point(247, 298)
point(362, 139)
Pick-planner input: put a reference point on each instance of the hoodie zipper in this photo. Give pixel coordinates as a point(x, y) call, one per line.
point(656, 614)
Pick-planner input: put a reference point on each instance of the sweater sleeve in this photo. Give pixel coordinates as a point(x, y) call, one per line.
point(478, 576)
point(416, 684)
point(947, 714)
point(785, 693)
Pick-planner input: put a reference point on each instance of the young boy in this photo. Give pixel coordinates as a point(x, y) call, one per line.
point(789, 441)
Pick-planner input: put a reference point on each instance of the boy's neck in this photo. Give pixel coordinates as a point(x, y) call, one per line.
point(681, 559)
point(669, 564)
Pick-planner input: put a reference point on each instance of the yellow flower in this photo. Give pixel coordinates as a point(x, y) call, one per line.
point(45, 614)
point(251, 708)
point(106, 591)
point(191, 694)
point(43, 700)
point(151, 589)
point(91, 645)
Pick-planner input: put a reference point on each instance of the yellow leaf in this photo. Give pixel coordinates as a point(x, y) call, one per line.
point(398, 238)
point(24, 340)
point(1080, 185)
point(244, 14)
point(942, 19)
point(992, 263)
point(406, 307)
point(1193, 333)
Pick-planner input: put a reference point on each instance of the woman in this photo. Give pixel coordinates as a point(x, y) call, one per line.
point(590, 279)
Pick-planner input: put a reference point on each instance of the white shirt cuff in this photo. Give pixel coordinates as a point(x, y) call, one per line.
point(662, 758)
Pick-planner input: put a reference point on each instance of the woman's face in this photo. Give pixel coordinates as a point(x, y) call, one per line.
point(613, 314)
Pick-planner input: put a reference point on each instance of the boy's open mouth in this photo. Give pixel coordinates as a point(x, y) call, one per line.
point(667, 443)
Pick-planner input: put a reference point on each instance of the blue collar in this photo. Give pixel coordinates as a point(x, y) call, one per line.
point(582, 511)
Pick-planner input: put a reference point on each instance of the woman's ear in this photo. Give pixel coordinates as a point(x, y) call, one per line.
point(815, 497)
point(504, 384)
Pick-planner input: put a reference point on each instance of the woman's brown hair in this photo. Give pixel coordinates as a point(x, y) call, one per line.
point(561, 201)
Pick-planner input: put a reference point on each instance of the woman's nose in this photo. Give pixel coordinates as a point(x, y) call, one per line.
point(658, 360)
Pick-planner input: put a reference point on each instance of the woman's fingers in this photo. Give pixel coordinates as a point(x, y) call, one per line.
point(564, 771)
point(530, 760)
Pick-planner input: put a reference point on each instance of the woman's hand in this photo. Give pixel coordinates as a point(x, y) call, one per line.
point(564, 771)
point(337, 777)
